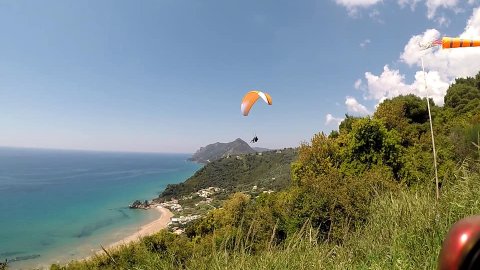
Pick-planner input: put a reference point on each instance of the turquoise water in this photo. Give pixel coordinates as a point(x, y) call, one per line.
point(61, 205)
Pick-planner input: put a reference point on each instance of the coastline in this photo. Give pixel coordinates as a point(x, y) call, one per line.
point(98, 215)
point(89, 251)
point(147, 229)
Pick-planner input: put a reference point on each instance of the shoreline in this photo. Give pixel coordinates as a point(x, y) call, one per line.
point(89, 252)
point(147, 229)
point(74, 227)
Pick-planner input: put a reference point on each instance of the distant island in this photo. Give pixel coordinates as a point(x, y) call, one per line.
point(219, 150)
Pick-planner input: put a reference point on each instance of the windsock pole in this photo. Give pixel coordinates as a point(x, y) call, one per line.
point(431, 131)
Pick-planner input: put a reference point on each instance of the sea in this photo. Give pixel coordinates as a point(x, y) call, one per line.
point(61, 205)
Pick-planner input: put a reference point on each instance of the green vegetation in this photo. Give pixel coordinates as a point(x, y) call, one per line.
point(269, 170)
point(359, 198)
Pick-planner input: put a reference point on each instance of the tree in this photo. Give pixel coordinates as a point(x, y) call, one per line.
point(315, 158)
point(346, 125)
point(462, 98)
point(369, 144)
point(408, 115)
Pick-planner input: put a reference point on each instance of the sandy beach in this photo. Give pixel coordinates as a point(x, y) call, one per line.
point(148, 229)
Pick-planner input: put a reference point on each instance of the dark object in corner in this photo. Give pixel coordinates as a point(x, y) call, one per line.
point(3, 266)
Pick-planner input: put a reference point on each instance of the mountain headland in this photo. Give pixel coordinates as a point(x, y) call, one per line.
point(219, 150)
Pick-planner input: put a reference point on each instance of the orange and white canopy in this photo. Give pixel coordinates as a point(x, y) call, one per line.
point(250, 98)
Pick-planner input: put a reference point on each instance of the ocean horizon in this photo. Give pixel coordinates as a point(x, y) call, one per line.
point(57, 205)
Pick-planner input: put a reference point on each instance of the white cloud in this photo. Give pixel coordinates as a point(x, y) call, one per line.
point(354, 106)
point(411, 3)
point(358, 84)
point(442, 20)
point(375, 15)
point(364, 43)
point(357, 3)
point(391, 83)
point(437, 88)
point(442, 66)
point(472, 30)
point(330, 119)
point(433, 5)
point(412, 52)
point(353, 5)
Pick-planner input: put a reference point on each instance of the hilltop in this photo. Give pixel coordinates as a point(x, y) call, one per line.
point(218, 150)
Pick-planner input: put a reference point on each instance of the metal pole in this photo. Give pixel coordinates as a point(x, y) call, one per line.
point(431, 131)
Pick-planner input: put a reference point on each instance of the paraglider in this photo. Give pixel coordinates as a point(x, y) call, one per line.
point(249, 99)
point(449, 43)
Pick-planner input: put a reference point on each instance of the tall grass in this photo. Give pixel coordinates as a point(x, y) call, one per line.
point(404, 230)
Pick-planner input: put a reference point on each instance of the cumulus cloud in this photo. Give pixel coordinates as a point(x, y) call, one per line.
point(330, 119)
point(391, 83)
point(443, 66)
point(355, 107)
point(437, 88)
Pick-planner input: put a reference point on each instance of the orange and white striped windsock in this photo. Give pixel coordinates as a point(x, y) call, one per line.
point(449, 43)
point(250, 98)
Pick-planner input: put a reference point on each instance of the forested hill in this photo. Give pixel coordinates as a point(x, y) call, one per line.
point(268, 170)
point(218, 150)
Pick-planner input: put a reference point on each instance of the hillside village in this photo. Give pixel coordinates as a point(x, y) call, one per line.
point(250, 173)
point(194, 206)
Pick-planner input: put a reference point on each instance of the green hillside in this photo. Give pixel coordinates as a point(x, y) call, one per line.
point(268, 170)
point(362, 197)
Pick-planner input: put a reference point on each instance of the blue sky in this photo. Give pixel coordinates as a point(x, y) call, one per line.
point(169, 75)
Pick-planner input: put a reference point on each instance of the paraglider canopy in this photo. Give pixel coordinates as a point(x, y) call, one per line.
point(250, 98)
